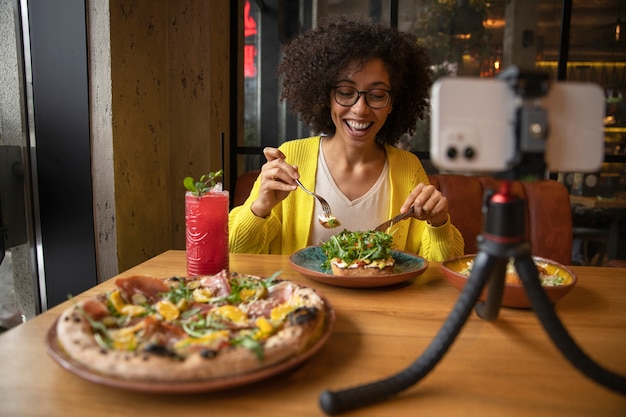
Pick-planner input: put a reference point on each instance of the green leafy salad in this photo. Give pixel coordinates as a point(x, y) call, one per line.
point(357, 247)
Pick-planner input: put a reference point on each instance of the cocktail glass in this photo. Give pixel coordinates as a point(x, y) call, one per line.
point(206, 223)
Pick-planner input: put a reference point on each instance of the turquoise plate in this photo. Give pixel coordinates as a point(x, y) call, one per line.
point(308, 262)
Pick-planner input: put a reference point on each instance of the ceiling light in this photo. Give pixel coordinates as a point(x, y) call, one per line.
point(493, 23)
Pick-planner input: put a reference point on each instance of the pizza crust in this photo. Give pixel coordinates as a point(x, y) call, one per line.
point(76, 337)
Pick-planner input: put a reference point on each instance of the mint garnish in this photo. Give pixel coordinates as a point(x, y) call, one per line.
point(204, 185)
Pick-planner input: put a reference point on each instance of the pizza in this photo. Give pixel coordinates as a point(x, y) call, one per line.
point(191, 328)
point(359, 253)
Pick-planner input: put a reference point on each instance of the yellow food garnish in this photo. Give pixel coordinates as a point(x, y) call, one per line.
point(121, 307)
point(193, 285)
point(231, 313)
point(133, 310)
point(281, 311)
point(167, 310)
point(124, 341)
point(265, 328)
point(182, 304)
point(202, 295)
point(251, 294)
point(116, 300)
point(209, 339)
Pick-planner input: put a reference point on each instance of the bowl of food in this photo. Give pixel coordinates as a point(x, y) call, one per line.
point(556, 279)
point(358, 259)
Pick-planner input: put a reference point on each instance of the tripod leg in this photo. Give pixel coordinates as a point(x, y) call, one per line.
point(495, 269)
point(558, 333)
point(351, 398)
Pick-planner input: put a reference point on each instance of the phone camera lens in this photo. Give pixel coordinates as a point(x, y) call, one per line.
point(469, 153)
point(452, 152)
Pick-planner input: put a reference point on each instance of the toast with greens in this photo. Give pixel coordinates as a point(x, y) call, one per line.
point(359, 253)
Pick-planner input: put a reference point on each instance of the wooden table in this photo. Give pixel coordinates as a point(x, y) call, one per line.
point(508, 367)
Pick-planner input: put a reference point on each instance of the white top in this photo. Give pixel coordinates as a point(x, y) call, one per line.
point(362, 214)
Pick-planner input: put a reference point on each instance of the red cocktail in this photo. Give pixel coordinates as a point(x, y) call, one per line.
point(206, 222)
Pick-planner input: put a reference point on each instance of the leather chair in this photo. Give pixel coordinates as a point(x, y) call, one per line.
point(243, 186)
point(548, 215)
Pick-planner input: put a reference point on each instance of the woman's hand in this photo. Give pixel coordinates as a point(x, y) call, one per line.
point(277, 181)
point(429, 204)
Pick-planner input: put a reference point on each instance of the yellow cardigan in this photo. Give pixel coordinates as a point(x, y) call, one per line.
point(286, 229)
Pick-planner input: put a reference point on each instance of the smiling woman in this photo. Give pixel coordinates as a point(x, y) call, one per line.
point(360, 86)
point(338, 47)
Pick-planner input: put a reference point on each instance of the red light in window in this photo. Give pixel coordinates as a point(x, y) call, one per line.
point(249, 53)
point(249, 25)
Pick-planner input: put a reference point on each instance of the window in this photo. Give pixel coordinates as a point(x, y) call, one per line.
point(465, 37)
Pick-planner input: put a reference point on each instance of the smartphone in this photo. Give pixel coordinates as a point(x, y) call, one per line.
point(474, 121)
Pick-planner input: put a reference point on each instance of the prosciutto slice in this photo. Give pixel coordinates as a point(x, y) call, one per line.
point(95, 308)
point(278, 294)
point(217, 284)
point(148, 286)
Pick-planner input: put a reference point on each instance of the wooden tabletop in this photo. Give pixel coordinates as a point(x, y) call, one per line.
point(508, 367)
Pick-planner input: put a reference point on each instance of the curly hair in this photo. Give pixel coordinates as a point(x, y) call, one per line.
point(313, 61)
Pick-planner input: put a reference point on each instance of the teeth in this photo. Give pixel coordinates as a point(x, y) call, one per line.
point(357, 126)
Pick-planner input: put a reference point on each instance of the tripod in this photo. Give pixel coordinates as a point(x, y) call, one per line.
point(503, 238)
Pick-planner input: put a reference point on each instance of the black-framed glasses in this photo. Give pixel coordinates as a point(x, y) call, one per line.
point(376, 98)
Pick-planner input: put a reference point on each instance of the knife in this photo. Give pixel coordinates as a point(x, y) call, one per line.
point(383, 227)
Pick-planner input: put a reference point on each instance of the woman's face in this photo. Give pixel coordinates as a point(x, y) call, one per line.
point(359, 123)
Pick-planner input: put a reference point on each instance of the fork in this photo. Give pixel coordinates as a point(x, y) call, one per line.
point(325, 206)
